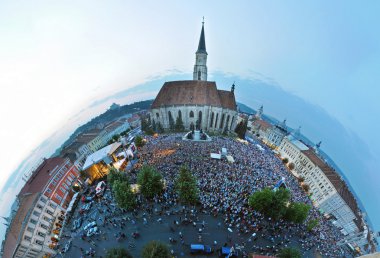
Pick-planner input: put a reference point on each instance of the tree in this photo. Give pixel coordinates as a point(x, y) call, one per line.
point(124, 196)
point(139, 141)
point(118, 253)
point(241, 128)
point(312, 224)
point(291, 166)
point(155, 249)
point(289, 252)
point(270, 203)
point(83, 174)
point(305, 187)
point(179, 124)
point(301, 179)
point(285, 160)
point(115, 175)
point(154, 126)
point(186, 186)
point(297, 212)
point(150, 181)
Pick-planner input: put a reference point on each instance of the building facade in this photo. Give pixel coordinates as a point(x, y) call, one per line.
point(197, 103)
point(42, 205)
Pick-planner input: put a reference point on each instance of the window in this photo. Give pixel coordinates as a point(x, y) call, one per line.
point(46, 219)
point(29, 229)
point(212, 119)
point(43, 200)
point(36, 213)
point(38, 242)
point(49, 212)
point(33, 221)
point(44, 226)
point(157, 115)
point(52, 205)
point(48, 190)
point(62, 189)
point(41, 234)
point(39, 206)
point(191, 114)
point(58, 197)
point(199, 75)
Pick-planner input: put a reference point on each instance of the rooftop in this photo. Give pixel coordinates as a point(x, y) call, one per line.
point(99, 155)
point(336, 180)
point(15, 229)
point(194, 93)
point(42, 175)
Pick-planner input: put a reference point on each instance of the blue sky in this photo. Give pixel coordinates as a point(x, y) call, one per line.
point(56, 58)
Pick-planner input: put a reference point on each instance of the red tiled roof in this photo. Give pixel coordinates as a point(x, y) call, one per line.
point(15, 230)
point(263, 124)
point(193, 93)
point(40, 176)
point(335, 179)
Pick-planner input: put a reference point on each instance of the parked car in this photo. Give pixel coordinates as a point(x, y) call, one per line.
point(77, 223)
point(66, 247)
point(90, 225)
point(92, 231)
point(226, 251)
point(200, 249)
point(99, 190)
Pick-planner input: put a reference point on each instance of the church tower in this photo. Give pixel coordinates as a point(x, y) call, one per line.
point(200, 68)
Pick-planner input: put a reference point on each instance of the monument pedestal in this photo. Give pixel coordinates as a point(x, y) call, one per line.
point(197, 135)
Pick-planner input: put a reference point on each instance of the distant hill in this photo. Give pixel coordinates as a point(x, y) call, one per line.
point(106, 117)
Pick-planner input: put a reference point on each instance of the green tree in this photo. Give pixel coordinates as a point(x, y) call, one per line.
point(118, 253)
point(160, 129)
point(83, 174)
point(312, 224)
point(285, 160)
point(186, 186)
point(241, 128)
point(291, 166)
point(124, 196)
point(289, 252)
point(155, 249)
point(305, 187)
point(150, 181)
point(179, 127)
point(115, 175)
point(270, 203)
point(154, 126)
point(171, 122)
point(297, 212)
point(139, 141)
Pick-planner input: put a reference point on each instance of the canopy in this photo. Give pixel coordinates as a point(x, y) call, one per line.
point(216, 156)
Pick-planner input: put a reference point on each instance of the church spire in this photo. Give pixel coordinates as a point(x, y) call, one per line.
point(200, 68)
point(202, 41)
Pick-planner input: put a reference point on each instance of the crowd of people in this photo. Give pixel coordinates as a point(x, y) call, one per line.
point(224, 189)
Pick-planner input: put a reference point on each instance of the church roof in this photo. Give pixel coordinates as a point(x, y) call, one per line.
point(194, 93)
point(202, 42)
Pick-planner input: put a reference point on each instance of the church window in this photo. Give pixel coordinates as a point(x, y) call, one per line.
point(200, 117)
point(199, 75)
point(232, 122)
point(221, 122)
point(191, 114)
point(227, 121)
point(216, 120)
point(179, 114)
point(212, 119)
point(157, 115)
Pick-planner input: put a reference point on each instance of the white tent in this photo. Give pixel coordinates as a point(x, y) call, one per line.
point(101, 154)
point(215, 155)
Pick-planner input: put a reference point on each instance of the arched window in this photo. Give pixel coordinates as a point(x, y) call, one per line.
point(212, 119)
point(171, 120)
point(227, 121)
point(180, 114)
point(221, 122)
point(232, 122)
point(200, 117)
point(199, 75)
point(157, 115)
point(191, 114)
point(216, 121)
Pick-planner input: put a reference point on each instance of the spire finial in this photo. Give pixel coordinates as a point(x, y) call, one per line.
point(203, 21)
point(233, 87)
